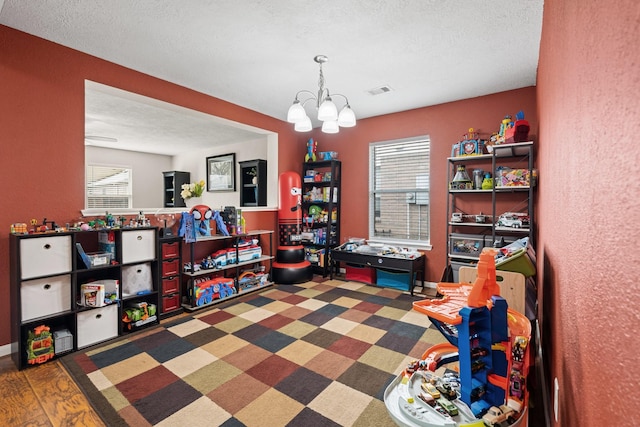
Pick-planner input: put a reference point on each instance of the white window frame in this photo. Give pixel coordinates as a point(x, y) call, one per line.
point(416, 195)
point(128, 188)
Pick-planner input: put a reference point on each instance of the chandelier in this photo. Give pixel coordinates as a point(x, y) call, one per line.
point(327, 110)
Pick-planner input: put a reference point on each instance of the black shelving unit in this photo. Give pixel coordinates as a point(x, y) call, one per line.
point(473, 234)
point(53, 287)
point(321, 212)
point(172, 182)
point(253, 183)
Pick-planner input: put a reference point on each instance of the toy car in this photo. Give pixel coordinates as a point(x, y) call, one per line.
point(448, 406)
point(497, 415)
point(478, 352)
point(431, 362)
point(516, 385)
point(431, 389)
point(446, 391)
point(477, 365)
point(427, 398)
point(513, 220)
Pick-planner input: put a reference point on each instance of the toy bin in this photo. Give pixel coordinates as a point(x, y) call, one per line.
point(62, 341)
point(466, 245)
point(455, 267)
point(361, 274)
point(394, 279)
point(518, 261)
point(99, 259)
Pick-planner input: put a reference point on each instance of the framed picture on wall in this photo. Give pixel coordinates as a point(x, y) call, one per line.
point(221, 173)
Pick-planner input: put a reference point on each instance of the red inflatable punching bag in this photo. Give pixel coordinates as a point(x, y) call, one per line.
point(290, 212)
point(290, 266)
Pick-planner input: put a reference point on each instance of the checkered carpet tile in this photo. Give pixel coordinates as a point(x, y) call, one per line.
point(313, 354)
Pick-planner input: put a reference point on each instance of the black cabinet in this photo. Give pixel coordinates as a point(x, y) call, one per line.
point(321, 212)
point(173, 181)
point(253, 183)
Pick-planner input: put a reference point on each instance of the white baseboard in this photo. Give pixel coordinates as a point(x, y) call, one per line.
point(5, 350)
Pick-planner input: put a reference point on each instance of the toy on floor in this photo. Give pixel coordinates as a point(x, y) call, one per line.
point(488, 340)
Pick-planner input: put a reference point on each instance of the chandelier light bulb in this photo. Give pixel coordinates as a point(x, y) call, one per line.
point(347, 118)
point(296, 112)
point(330, 126)
point(303, 125)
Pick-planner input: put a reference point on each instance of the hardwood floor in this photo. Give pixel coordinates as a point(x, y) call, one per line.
point(43, 395)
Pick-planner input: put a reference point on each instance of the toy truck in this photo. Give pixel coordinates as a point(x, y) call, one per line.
point(495, 416)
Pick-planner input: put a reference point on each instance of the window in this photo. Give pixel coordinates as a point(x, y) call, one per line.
point(108, 187)
point(399, 191)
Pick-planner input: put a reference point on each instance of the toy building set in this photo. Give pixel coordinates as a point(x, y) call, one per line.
point(489, 342)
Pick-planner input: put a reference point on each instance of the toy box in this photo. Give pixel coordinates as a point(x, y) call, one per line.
point(361, 274)
point(107, 242)
point(315, 256)
point(394, 279)
point(62, 341)
point(249, 253)
point(517, 257)
point(512, 177)
point(467, 245)
point(99, 293)
point(99, 259)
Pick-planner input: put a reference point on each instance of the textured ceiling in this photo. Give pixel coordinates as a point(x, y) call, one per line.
point(259, 53)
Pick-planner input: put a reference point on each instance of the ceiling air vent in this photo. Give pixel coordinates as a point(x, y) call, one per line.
point(379, 90)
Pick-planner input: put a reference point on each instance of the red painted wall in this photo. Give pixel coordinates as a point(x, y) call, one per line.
point(42, 128)
point(445, 124)
point(589, 209)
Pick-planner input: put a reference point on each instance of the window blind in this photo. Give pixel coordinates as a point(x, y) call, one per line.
point(399, 190)
point(108, 187)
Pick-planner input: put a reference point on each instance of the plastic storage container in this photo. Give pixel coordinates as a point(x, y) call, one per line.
point(361, 274)
point(468, 246)
point(516, 257)
point(394, 279)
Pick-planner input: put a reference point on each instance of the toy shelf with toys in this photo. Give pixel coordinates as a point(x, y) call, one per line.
point(321, 210)
point(490, 343)
point(489, 200)
point(72, 289)
point(220, 267)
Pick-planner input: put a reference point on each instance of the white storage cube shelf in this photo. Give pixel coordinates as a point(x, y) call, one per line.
point(44, 297)
point(97, 325)
point(138, 246)
point(51, 285)
point(45, 256)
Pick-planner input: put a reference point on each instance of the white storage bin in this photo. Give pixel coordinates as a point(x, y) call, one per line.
point(97, 325)
point(46, 296)
point(138, 245)
point(45, 256)
point(136, 279)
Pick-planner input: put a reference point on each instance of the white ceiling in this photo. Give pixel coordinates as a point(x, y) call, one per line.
point(259, 53)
